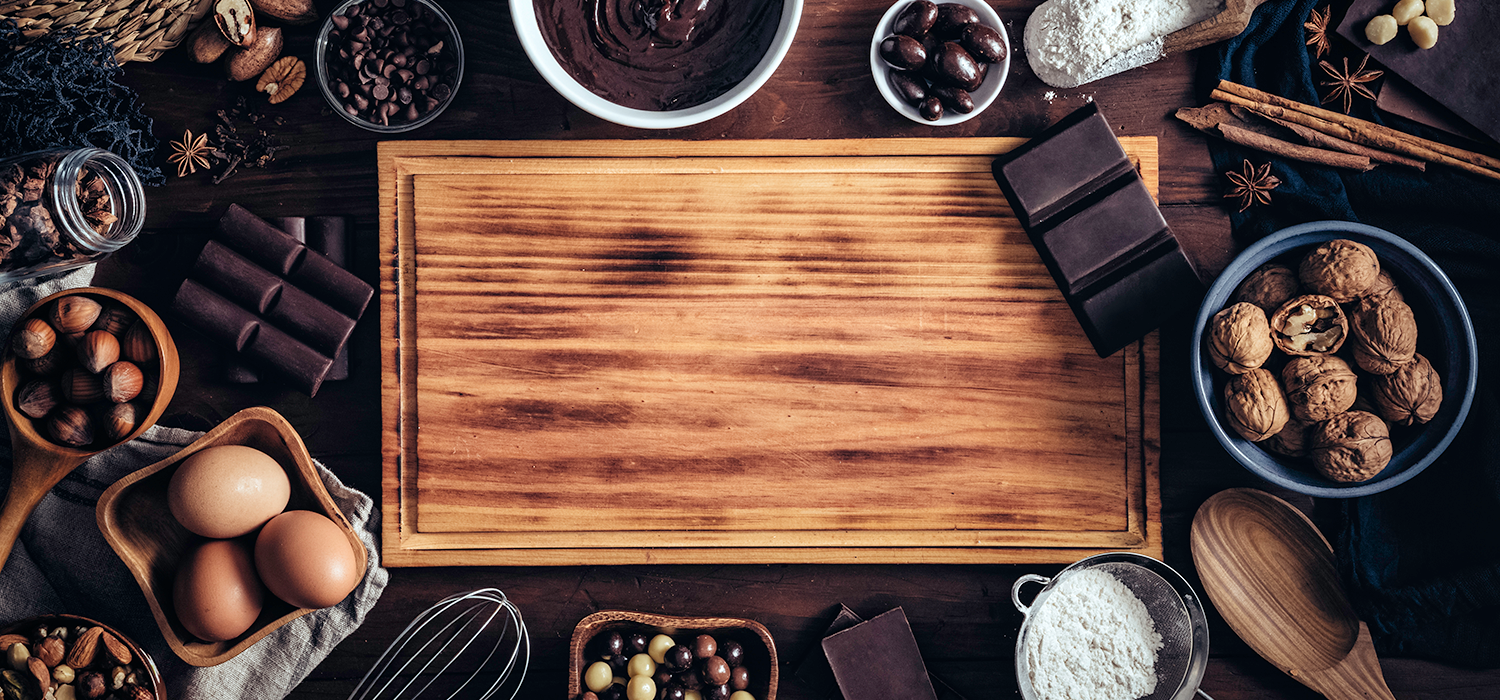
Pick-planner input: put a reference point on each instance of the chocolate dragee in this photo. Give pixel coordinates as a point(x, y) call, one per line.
point(1098, 230)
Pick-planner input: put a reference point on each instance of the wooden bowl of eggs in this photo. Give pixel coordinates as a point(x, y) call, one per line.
point(232, 537)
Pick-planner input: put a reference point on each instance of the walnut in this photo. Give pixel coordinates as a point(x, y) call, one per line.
point(1383, 286)
point(1309, 325)
point(1340, 269)
point(1254, 405)
point(1410, 395)
point(1383, 333)
point(1318, 387)
point(1351, 446)
point(1291, 441)
point(1270, 286)
point(1239, 338)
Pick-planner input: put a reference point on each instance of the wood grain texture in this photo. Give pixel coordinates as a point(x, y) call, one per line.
point(1271, 574)
point(832, 351)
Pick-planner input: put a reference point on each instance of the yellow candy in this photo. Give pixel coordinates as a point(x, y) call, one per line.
point(641, 688)
point(598, 676)
point(659, 646)
point(640, 665)
point(741, 695)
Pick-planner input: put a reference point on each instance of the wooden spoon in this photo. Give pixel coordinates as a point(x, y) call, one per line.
point(38, 463)
point(1271, 575)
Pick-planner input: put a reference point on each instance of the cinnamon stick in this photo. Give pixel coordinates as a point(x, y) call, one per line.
point(1318, 139)
point(1359, 125)
point(1374, 139)
point(1287, 149)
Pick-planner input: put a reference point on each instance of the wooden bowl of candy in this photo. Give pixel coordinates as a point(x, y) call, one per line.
point(617, 655)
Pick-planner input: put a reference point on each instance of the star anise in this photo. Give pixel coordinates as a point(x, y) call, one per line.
point(1252, 186)
point(1346, 84)
point(1317, 31)
point(190, 153)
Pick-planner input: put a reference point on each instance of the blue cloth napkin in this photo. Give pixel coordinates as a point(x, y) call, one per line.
point(1422, 561)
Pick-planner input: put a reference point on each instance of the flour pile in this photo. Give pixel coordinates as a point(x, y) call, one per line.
point(1092, 640)
point(1072, 42)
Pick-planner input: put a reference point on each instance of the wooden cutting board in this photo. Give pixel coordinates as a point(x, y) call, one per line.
point(723, 352)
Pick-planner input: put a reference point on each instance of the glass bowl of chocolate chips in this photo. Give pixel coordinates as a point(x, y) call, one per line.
point(389, 66)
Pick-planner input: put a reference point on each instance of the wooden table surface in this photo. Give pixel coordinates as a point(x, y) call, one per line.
point(961, 615)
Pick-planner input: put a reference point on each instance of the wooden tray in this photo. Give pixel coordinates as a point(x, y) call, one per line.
point(618, 352)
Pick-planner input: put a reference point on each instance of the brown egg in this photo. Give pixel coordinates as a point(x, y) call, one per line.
point(306, 560)
point(216, 593)
point(227, 491)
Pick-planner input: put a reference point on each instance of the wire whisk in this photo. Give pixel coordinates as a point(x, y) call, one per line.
point(452, 650)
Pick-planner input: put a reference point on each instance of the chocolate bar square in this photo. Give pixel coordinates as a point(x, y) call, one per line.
point(879, 659)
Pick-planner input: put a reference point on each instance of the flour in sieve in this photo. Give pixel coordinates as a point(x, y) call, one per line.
point(1092, 639)
point(1072, 42)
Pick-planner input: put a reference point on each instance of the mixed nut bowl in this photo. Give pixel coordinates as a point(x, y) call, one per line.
point(1334, 359)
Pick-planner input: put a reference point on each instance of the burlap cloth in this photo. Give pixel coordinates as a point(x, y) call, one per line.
point(63, 565)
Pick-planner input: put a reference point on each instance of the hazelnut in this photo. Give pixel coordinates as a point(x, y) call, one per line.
point(35, 339)
point(1239, 338)
point(1318, 387)
point(1340, 269)
point(115, 319)
point(138, 345)
point(121, 420)
point(50, 651)
point(1254, 405)
point(63, 674)
point(91, 685)
point(1412, 394)
point(98, 350)
point(122, 381)
point(71, 426)
point(1383, 333)
point(1309, 325)
point(49, 363)
point(1353, 446)
point(80, 387)
point(38, 397)
point(1270, 286)
point(74, 314)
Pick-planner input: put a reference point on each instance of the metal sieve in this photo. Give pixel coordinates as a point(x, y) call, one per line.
point(1175, 611)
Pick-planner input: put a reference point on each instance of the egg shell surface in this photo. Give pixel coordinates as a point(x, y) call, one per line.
point(216, 593)
point(227, 491)
point(306, 560)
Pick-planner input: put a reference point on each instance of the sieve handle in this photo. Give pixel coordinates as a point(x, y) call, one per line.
point(1015, 591)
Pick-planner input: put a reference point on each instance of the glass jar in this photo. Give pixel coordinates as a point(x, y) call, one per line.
point(63, 208)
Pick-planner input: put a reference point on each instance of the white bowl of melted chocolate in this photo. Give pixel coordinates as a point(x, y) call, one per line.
point(656, 64)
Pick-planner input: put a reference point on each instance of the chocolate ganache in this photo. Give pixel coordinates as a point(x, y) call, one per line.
point(659, 55)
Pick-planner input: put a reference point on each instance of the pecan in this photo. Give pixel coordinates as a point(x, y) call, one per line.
point(85, 648)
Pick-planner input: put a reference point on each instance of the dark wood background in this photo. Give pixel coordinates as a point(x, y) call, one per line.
point(962, 615)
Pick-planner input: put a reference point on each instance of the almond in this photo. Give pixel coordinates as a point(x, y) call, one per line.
point(116, 648)
point(85, 648)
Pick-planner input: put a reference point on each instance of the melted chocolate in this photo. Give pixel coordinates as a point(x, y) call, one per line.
point(659, 55)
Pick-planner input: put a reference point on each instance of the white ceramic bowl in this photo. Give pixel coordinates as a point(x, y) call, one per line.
point(523, 15)
point(993, 81)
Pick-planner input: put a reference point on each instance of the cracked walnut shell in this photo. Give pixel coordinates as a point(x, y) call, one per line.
point(1349, 447)
point(1319, 387)
point(1254, 405)
point(1383, 334)
point(1270, 286)
point(1341, 269)
point(282, 79)
point(1239, 338)
point(1410, 395)
point(1309, 325)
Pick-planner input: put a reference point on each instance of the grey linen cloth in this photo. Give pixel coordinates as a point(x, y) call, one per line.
point(61, 564)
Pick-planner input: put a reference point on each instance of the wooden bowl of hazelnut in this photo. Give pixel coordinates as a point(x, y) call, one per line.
point(83, 370)
point(89, 658)
point(1334, 359)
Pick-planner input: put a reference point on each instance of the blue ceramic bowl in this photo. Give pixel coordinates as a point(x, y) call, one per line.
point(1445, 337)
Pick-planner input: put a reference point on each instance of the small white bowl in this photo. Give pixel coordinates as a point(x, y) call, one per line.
point(993, 81)
point(523, 15)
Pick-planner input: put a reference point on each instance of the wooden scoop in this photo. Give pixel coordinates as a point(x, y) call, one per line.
point(1271, 575)
point(37, 462)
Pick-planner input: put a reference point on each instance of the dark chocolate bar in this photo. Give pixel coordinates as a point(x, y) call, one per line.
point(234, 276)
point(327, 235)
point(299, 364)
point(318, 325)
point(294, 226)
point(218, 318)
point(1098, 230)
point(267, 245)
point(342, 290)
point(878, 660)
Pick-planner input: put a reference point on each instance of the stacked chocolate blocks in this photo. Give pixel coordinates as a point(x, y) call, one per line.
point(1098, 230)
point(281, 306)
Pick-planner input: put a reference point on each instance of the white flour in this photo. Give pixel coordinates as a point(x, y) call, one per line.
point(1092, 640)
point(1072, 42)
